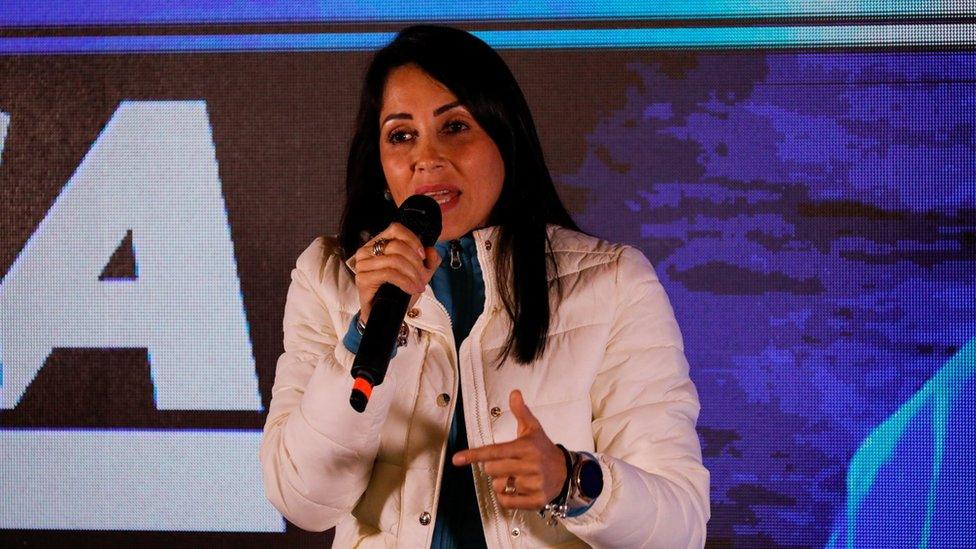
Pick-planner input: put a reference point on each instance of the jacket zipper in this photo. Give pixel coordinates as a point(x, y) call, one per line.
point(455, 249)
point(455, 255)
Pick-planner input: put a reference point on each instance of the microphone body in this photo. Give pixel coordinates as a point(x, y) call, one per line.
point(421, 215)
point(373, 359)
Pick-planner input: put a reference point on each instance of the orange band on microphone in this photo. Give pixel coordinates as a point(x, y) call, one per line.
point(362, 386)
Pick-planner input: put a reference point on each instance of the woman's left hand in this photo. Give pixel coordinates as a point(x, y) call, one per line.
point(531, 463)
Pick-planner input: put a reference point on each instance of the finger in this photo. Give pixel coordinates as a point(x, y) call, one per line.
point(490, 452)
point(399, 232)
point(374, 279)
point(405, 250)
point(391, 247)
point(524, 485)
point(382, 264)
point(506, 467)
point(432, 260)
point(526, 421)
point(396, 250)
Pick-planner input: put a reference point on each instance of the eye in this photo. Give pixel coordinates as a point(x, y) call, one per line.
point(455, 126)
point(399, 136)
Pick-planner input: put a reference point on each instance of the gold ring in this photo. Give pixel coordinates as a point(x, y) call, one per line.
point(379, 246)
point(509, 486)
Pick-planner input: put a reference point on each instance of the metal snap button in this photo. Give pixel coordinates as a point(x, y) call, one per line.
point(516, 532)
point(413, 313)
point(496, 411)
point(443, 399)
point(425, 518)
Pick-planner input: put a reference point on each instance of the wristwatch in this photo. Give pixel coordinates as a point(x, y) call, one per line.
point(583, 484)
point(586, 482)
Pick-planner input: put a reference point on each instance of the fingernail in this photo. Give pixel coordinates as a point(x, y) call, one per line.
point(420, 251)
point(458, 459)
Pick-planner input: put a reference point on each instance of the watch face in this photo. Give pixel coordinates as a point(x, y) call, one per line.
point(591, 479)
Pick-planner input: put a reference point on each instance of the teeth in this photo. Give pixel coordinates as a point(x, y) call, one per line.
point(442, 197)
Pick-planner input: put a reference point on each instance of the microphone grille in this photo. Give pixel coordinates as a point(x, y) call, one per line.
point(422, 215)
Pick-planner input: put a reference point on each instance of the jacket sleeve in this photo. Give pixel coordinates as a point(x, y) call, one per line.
point(316, 452)
point(655, 491)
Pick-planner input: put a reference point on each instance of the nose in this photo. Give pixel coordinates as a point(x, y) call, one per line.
point(428, 156)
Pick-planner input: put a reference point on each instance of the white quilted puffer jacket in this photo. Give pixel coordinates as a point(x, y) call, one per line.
point(613, 381)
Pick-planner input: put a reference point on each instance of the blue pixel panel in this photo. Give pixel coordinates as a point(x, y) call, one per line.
point(817, 210)
point(699, 38)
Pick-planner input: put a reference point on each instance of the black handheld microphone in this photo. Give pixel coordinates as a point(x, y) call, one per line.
point(422, 215)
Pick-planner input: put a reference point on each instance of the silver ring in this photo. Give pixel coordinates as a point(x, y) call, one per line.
point(379, 246)
point(509, 486)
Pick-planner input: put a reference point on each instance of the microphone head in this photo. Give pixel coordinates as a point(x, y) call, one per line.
point(422, 215)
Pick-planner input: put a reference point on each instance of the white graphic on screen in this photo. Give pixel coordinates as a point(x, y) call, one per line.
point(4, 122)
point(150, 179)
point(152, 171)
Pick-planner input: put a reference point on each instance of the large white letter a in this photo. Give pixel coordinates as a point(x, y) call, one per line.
point(152, 171)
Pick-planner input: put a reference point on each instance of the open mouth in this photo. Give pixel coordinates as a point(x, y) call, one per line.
point(444, 197)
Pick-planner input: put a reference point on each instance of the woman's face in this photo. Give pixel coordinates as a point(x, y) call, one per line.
point(430, 144)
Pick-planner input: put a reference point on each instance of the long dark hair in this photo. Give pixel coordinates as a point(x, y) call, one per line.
point(482, 82)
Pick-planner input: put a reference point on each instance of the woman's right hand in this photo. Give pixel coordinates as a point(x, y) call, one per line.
point(405, 263)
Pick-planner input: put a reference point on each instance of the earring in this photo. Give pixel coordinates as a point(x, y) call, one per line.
point(387, 196)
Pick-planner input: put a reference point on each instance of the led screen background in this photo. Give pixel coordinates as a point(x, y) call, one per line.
point(802, 181)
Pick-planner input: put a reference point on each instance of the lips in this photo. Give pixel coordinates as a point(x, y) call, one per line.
point(445, 195)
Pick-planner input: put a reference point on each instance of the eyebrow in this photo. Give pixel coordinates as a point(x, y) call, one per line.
point(407, 116)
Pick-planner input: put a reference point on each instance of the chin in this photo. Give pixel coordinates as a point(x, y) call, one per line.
point(452, 233)
point(454, 227)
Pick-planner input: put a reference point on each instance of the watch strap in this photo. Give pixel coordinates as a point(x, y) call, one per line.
point(557, 508)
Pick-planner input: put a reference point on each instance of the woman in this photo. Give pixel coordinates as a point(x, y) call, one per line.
point(522, 333)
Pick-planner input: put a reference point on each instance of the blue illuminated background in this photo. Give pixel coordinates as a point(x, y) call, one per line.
point(801, 174)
